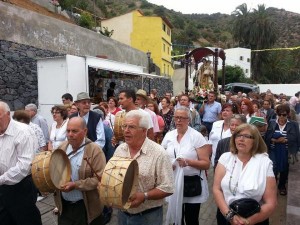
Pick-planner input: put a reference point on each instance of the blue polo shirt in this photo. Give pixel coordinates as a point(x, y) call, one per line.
point(211, 112)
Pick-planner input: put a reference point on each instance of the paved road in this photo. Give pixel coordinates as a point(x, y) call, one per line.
point(207, 211)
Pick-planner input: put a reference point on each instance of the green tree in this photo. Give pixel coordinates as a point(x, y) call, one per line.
point(240, 27)
point(262, 36)
point(179, 21)
point(86, 20)
point(159, 11)
point(232, 74)
point(67, 4)
point(257, 31)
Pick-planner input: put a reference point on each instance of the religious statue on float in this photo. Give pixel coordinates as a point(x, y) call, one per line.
point(205, 75)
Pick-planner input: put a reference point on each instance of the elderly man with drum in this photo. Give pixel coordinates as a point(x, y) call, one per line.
point(17, 191)
point(78, 200)
point(155, 180)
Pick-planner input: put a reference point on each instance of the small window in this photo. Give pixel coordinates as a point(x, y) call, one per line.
point(164, 47)
point(164, 27)
point(168, 31)
point(241, 58)
point(248, 60)
point(247, 71)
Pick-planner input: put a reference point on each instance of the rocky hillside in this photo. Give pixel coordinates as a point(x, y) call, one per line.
point(189, 29)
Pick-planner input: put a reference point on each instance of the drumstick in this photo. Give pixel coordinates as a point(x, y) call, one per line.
point(93, 171)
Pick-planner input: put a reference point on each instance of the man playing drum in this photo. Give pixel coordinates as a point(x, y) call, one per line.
point(17, 191)
point(127, 100)
point(78, 200)
point(155, 181)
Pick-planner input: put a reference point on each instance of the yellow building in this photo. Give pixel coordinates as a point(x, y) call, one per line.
point(146, 33)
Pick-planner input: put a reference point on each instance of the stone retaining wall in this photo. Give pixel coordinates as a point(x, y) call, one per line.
point(18, 75)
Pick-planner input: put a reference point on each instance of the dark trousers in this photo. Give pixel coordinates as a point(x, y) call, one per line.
point(283, 177)
point(222, 221)
point(208, 126)
point(17, 204)
point(75, 214)
point(190, 213)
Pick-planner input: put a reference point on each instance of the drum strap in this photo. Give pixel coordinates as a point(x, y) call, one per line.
point(74, 151)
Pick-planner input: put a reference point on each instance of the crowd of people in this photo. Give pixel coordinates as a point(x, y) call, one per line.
point(249, 139)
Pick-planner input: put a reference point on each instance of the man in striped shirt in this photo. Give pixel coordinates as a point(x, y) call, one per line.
point(17, 191)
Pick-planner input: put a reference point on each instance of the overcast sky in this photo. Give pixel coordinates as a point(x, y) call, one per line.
point(222, 6)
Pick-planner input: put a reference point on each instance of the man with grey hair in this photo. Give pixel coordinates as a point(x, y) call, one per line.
point(38, 119)
point(17, 191)
point(78, 200)
point(155, 172)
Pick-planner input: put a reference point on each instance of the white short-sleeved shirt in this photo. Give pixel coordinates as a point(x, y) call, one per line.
point(191, 140)
point(250, 180)
point(217, 133)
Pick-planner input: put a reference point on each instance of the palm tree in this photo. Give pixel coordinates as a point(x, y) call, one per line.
point(241, 20)
point(262, 35)
point(255, 30)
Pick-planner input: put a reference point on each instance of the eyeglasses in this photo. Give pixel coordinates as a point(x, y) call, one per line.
point(55, 112)
point(243, 136)
point(129, 127)
point(282, 114)
point(180, 118)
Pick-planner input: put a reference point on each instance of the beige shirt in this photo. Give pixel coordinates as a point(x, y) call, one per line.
point(155, 171)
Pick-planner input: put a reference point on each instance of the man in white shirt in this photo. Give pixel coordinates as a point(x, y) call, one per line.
point(17, 191)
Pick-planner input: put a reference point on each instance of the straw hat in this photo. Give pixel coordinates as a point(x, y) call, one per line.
point(142, 93)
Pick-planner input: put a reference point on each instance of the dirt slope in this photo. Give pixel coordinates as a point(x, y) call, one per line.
point(27, 4)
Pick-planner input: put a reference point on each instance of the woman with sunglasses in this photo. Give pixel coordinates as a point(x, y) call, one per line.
point(245, 172)
point(282, 138)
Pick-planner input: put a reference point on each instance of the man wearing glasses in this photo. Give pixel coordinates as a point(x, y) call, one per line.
point(155, 172)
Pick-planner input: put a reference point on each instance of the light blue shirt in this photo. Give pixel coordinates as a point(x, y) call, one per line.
point(42, 123)
point(99, 131)
point(75, 160)
point(211, 112)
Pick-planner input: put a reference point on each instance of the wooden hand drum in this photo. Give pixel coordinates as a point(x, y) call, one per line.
point(118, 132)
point(119, 181)
point(50, 170)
